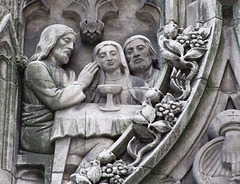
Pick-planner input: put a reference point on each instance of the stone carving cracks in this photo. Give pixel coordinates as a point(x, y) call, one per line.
point(91, 14)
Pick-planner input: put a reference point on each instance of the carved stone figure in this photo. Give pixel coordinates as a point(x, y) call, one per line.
point(105, 126)
point(49, 88)
point(142, 59)
point(218, 160)
point(114, 70)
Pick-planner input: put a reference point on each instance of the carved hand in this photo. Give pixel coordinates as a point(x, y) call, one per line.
point(86, 76)
point(231, 151)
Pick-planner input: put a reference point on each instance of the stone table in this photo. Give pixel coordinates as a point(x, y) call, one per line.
point(85, 120)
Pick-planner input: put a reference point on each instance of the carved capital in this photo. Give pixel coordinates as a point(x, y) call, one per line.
point(91, 31)
point(91, 13)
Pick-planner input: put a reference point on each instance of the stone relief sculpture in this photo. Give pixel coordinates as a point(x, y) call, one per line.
point(91, 13)
point(142, 59)
point(93, 125)
point(218, 160)
point(182, 48)
point(51, 92)
point(48, 87)
point(100, 132)
point(159, 113)
point(114, 70)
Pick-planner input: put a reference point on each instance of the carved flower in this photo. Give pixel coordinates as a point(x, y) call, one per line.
point(107, 171)
point(170, 117)
point(169, 108)
point(174, 106)
point(162, 109)
point(183, 39)
point(122, 170)
point(116, 180)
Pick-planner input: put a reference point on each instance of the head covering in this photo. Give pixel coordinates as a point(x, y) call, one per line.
point(125, 69)
point(152, 51)
point(48, 40)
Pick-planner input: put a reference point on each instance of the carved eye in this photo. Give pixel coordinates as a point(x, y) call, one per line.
point(67, 40)
point(113, 53)
point(129, 51)
point(141, 47)
point(102, 55)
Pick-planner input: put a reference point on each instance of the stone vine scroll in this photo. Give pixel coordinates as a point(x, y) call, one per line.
point(183, 49)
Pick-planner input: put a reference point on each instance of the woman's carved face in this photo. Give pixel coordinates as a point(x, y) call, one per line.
point(109, 59)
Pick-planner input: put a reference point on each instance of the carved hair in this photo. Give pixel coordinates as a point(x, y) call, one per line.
point(48, 40)
point(101, 77)
point(152, 52)
point(124, 66)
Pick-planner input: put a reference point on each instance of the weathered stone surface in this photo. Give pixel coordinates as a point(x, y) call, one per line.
point(94, 137)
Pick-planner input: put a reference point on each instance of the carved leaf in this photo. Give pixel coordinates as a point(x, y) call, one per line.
point(139, 118)
point(119, 162)
point(161, 126)
point(142, 132)
point(175, 85)
point(168, 97)
point(77, 178)
point(177, 82)
point(161, 39)
point(194, 53)
point(174, 47)
point(182, 105)
point(94, 172)
point(149, 112)
point(188, 30)
point(169, 55)
point(205, 32)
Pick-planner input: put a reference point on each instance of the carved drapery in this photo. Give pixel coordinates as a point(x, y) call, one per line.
point(204, 85)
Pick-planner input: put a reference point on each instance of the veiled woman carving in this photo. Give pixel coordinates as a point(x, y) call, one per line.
point(113, 69)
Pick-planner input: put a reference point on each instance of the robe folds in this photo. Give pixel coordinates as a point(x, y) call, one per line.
point(47, 88)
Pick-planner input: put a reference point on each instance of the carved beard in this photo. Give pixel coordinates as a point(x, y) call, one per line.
point(61, 56)
point(139, 67)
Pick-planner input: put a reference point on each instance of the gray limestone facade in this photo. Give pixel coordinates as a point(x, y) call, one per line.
point(119, 92)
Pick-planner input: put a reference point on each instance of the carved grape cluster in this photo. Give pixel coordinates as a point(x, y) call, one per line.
point(193, 37)
point(183, 39)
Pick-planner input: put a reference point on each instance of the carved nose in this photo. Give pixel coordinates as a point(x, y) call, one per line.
point(109, 57)
point(71, 46)
point(136, 52)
